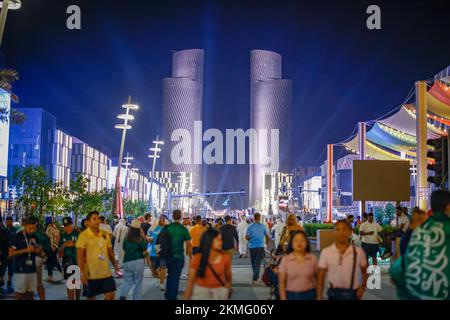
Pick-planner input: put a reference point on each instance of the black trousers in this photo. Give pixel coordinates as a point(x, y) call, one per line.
point(52, 262)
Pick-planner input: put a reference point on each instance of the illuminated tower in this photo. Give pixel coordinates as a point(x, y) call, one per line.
point(270, 108)
point(182, 105)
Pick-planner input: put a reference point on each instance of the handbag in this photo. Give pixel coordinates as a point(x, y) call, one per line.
point(344, 294)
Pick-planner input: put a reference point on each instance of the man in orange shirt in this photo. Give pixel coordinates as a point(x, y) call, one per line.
point(196, 234)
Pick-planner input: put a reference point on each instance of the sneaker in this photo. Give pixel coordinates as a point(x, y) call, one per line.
point(50, 279)
point(254, 283)
point(161, 287)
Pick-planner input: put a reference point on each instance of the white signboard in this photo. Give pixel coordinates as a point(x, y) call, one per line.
point(5, 103)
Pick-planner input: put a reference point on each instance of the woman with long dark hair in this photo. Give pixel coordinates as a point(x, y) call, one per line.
point(297, 273)
point(210, 270)
point(135, 256)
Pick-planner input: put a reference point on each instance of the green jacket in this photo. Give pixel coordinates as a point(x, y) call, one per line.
point(43, 240)
point(424, 271)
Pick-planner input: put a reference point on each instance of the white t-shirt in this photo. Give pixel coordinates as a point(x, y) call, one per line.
point(106, 227)
point(369, 227)
point(403, 219)
point(339, 269)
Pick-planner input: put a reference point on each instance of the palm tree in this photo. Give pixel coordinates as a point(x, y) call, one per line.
point(7, 78)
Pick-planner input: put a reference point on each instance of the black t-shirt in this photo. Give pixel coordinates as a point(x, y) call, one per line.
point(145, 227)
point(4, 243)
point(229, 236)
point(26, 262)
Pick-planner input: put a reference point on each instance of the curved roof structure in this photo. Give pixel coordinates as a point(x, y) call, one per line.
point(394, 138)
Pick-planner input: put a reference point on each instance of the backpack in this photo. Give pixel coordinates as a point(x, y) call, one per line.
point(164, 242)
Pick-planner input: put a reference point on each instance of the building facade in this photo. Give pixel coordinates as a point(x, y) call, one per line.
point(311, 195)
point(270, 109)
point(91, 163)
point(276, 193)
point(175, 183)
point(31, 143)
point(302, 174)
point(40, 142)
point(182, 106)
point(135, 186)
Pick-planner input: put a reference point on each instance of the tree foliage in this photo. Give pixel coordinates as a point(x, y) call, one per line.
point(37, 190)
point(134, 208)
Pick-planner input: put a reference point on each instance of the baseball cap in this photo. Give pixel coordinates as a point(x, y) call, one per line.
point(67, 221)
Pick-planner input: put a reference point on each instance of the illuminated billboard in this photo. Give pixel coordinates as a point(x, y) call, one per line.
point(5, 104)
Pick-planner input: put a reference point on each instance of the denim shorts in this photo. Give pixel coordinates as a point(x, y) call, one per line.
point(158, 262)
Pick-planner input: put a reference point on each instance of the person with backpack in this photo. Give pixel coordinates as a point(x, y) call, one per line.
point(427, 256)
point(172, 240)
point(210, 270)
point(345, 265)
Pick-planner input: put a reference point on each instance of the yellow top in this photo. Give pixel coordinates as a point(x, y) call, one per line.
point(196, 234)
point(96, 253)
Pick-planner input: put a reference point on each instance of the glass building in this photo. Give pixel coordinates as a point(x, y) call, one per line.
point(39, 142)
point(31, 143)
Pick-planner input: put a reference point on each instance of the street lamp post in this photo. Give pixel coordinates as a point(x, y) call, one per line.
point(154, 156)
point(7, 5)
point(124, 127)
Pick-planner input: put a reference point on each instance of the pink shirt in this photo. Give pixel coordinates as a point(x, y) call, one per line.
point(299, 276)
point(339, 267)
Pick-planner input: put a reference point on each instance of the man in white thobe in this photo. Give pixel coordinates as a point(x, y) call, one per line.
point(120, 232)
point(242, 231)
point(277, 230)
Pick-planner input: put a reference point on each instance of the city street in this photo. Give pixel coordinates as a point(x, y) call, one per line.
point(242, 288)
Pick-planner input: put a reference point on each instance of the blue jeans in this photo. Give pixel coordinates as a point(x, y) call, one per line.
point(305, 295)
point(133, 276)
point(174, 268)
point(256, 257)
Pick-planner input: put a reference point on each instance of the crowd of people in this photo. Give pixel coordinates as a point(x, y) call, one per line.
point(202, 251)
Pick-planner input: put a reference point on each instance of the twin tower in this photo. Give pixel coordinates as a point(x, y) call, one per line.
point(270, 108)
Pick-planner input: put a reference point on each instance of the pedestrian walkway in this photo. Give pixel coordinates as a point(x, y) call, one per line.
point(242, 288)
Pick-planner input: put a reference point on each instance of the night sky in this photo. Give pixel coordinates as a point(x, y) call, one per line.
point(342, 72)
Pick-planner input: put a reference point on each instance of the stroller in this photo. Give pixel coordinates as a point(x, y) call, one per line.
point(270, 275)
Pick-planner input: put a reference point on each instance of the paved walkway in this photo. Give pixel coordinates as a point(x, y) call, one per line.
point(242, 288)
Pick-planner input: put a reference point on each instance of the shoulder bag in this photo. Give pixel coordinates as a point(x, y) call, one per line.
point(345, 294)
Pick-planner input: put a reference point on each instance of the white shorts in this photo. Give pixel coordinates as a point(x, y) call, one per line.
point(201, 293)
point(25, 282)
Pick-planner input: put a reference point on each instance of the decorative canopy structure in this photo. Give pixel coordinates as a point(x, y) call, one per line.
point(394, 137)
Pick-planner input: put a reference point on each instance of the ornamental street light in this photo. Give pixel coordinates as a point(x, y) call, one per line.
point(154, 156)
point(7, 5)
point(124, 127)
